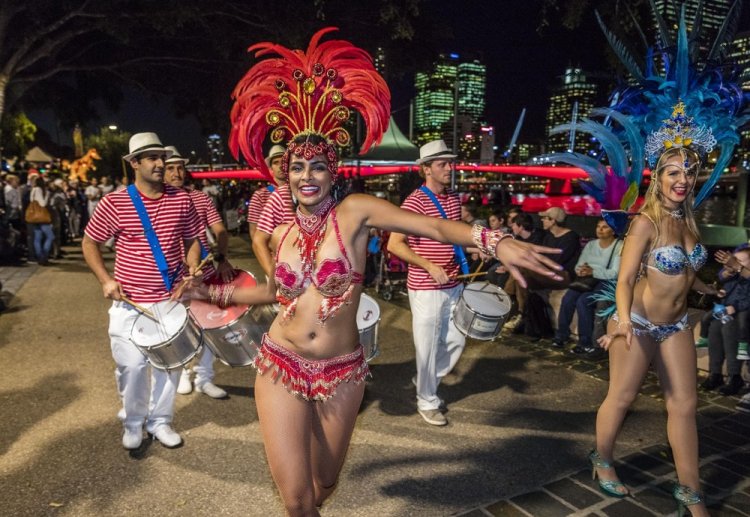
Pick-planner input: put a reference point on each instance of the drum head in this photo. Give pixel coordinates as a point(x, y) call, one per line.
point(210, 316)
point(486, 299)
point(147, 332)
point(368, 313)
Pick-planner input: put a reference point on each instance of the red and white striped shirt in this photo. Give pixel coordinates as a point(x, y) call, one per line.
point(436, 252)
point(278, 210)
point(173, 218)
point(257, 202)
point(207, 216)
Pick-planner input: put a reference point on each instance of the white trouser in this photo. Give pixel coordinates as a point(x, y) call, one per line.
point(437, 341)
point(144, 399)
point(204, 367)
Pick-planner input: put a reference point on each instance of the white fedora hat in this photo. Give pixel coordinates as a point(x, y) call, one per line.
point(144, 142)
point(276, 150)
point(176, 156)
point(433, 151)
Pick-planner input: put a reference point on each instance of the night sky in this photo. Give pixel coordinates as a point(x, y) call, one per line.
point(523, 66)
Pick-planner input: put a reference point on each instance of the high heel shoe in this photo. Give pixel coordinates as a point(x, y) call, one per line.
point(609, 488)
point(685, 496)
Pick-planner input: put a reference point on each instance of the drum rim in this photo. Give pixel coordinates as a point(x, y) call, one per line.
point(164, 343)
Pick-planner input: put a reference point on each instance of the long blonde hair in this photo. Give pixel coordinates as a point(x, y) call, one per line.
point(653, 207)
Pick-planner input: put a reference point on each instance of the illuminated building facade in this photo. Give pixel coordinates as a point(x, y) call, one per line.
point(714, 13)
point(740, 54)
point(434, 103)
point(575, 98)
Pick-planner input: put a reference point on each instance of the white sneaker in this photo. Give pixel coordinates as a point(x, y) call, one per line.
point(167, 436)
point(513, 322)
point(433, 416)
point(211, 389)
point(132, 437)
point(185, 386)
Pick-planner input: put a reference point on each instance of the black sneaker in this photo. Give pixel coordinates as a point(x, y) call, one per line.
point(581, 350)
point(712, 382)
point(596, 354)
point(558, 343)
point(733, 386)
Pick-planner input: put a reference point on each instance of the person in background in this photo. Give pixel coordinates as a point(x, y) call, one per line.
point(43, 235)
point(725, 326)
point(93, 195)
point(600, 260)
point(257, 205)
point(524, 230)
point(210, 220)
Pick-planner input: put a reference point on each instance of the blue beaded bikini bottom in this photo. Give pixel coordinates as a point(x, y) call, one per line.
point(657, 332)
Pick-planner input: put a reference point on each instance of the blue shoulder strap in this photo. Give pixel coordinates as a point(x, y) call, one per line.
point(458, 250)
point(271, 188)
point(153, 240)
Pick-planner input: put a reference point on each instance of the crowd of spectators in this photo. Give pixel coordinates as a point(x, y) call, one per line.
point(588, 264)
point(67, 205)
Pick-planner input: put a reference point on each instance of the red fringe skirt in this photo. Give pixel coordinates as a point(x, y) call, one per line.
point(310, 379)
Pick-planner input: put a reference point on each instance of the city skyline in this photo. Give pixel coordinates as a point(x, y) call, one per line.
point(522, 70)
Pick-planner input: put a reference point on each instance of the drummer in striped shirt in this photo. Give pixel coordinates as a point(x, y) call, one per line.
point(433, 290)
point(277, 210)
point(260, 196)
point(147, 397)
point(210, 220)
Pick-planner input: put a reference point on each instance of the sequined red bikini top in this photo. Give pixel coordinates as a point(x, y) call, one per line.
point(334, 279)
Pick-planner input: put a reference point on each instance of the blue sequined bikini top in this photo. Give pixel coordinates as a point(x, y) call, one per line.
point(673, 260)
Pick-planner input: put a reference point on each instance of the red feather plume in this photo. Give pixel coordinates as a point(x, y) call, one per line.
point(306, 92)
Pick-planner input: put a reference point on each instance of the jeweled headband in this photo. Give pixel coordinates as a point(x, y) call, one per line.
point(679, 130)
point(307, 93)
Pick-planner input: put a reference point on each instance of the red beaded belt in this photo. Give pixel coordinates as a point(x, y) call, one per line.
point(309, 378)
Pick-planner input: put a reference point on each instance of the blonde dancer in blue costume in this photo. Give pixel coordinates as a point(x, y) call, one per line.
point(686, 113)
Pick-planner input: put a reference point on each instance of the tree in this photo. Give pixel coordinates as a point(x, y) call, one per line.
point(65, 54)
point(17, 133)
point(112, 145)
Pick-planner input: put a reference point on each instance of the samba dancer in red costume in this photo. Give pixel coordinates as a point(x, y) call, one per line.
point(311, 352)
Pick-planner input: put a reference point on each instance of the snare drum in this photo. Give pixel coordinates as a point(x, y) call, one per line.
point(171, 340)
point(368, 318)
point(481, 311)
point(233, 334)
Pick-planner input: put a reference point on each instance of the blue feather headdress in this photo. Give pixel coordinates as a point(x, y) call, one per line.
point(699, 103)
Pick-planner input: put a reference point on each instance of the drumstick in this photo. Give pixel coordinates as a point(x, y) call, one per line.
point(470, 275)
point(201, 265)
point(140, 308)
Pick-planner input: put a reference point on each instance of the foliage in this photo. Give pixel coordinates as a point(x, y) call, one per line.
point(17, 133)
point(111, 145)
point(67, 54)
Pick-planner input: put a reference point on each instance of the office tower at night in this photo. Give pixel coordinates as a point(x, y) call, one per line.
point(436, 92)
point(574, 98)
point(739, 53)
point(714, 13)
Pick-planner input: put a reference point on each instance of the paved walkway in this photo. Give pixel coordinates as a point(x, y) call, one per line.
point(521, 420)
point(649, 472)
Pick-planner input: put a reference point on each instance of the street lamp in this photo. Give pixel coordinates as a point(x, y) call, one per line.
point(112, 127)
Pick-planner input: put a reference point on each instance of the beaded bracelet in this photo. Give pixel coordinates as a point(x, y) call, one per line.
point(487, 240)
point(220, 295)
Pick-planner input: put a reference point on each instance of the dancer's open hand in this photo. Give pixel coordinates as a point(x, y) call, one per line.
point(516, 255)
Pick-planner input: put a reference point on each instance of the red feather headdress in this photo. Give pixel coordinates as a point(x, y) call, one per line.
point(309, 92)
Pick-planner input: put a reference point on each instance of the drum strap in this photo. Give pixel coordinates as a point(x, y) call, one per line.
point(459, 251)
point(153, 240)
point(271, 188)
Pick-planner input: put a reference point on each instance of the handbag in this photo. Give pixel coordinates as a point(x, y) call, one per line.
point(584, 284)
point(37, 214)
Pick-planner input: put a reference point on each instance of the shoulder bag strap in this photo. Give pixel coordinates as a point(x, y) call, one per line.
point(458, 250)
point(153, 240)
